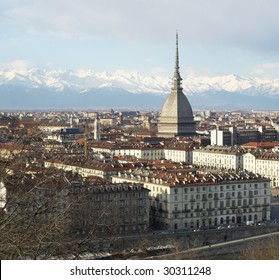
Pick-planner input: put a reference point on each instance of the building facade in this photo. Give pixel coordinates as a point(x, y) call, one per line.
point(201, 199)
point(264, 163)
point(238, 136)
point(219, 157)
point(84, 206)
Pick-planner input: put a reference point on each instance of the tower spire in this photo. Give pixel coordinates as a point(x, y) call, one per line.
point(176, 77)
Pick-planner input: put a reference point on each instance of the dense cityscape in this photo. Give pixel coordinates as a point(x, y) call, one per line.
point(137, 184)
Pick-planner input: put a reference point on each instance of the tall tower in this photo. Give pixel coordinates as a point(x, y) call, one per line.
point(97, 128)
point(177, 116)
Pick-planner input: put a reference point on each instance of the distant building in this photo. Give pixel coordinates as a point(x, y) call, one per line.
point(264, 163)
point(177, 116)
point(138, 150)
point(235, 136)
point(174, 151)
point(179, 152)
point(261, 145)
point(219, 157)
point(103, 170)
point(223, 137)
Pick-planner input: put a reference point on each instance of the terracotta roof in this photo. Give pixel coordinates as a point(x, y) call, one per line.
point(261, 144)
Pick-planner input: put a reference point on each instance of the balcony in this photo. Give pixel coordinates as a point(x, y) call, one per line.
point(163, 211)
point(265, 205)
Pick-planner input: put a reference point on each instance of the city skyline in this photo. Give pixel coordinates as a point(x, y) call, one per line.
point(216, 38)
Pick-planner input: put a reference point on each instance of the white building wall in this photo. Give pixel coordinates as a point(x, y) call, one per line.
point(194, 206)
point(266, 167)
point(218, 160)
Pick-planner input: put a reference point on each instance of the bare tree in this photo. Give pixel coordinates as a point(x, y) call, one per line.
point(269, 250)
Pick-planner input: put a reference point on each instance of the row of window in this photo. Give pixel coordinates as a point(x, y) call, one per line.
point(217, 188)
point(222, 204)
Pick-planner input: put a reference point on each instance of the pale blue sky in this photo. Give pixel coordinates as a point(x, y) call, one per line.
point(217, 37)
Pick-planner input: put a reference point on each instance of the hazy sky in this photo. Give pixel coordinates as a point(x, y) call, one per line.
point(217, 37)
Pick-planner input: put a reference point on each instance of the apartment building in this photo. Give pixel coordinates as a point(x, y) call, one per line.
point(138, 150)
point(238, 136)
point(103, 170)
point(264, 163)
point(178, 152)
point(196, 198)
point(219, 157)
point(83, 206)
point(109, 208)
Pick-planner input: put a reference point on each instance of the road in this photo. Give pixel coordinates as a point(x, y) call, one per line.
point(215, 246)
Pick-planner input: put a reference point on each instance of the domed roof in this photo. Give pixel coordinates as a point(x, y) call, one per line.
point(177, 106)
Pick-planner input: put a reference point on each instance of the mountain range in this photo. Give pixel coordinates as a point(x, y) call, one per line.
point(86, 89)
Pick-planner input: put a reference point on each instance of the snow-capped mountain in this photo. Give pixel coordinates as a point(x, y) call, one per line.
point(80, 85)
